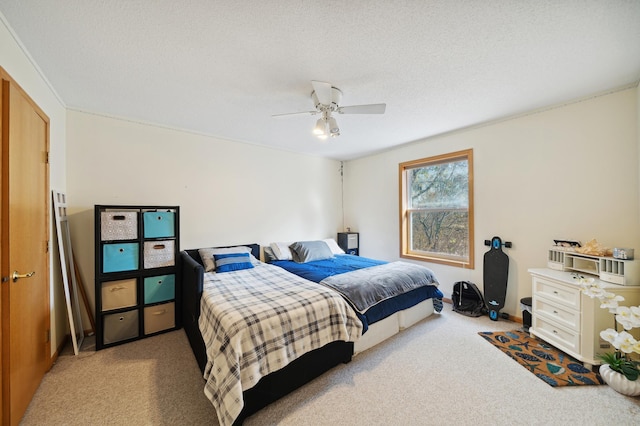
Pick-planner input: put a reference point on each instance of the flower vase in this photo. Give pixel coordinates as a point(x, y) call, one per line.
point(618, 382)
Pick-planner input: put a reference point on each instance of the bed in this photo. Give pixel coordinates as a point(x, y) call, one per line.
point(247, 364)
point(414, 295)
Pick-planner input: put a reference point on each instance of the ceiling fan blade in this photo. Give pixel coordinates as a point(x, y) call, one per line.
point(289, 114)
point(363, 109)
point(323, 91)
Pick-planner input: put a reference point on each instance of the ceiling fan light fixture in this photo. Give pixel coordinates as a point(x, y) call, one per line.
point(321, 128)
point(334, 130)
point(326, 99)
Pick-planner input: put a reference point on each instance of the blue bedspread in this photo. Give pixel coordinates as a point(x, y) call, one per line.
point(320, 269)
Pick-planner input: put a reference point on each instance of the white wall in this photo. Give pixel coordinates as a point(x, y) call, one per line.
point(228, 192)
point(18, 65)
point(569, 172)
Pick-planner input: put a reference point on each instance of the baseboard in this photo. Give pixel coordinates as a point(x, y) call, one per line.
point(55, 355)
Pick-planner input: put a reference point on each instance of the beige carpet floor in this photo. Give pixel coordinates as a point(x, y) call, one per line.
point(439, 371)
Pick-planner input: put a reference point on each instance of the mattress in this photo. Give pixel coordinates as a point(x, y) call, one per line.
point(393, 324)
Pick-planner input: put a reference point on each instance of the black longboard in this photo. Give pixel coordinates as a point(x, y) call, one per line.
point(496, 272)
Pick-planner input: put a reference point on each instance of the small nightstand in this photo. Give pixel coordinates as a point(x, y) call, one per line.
point(349, 242)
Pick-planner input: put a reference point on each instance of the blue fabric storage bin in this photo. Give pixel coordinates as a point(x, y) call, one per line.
point(159, 224)
point(159, 288)
point(120, 257)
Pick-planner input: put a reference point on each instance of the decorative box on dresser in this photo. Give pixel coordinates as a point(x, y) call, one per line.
point(570, 320)
point(136, 275)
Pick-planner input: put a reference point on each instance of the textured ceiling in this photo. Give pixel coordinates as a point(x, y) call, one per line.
point(222, 68)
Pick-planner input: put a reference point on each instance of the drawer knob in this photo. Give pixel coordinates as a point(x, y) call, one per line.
point(555, 332)
point(555, 312)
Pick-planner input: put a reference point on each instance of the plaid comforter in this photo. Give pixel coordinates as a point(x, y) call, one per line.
point(256, 321)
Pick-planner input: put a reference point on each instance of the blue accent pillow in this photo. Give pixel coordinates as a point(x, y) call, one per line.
point(232, 262)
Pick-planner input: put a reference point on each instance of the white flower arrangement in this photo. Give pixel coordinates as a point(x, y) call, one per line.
point(627, 317)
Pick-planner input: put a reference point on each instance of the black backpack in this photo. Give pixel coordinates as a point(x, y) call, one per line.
point(467, 299)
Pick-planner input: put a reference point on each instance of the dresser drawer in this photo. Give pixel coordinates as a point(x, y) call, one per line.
point(159, 289)
point(557, 313)
point(159, 317)
point(158, 254)
point(119, 327)
point(558, 293)
point(563, 338)
point(119, 294)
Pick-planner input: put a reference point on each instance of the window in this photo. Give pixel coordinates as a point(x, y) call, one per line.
point(436, 209)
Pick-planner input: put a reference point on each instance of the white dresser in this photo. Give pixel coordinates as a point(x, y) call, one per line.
point(570, 320)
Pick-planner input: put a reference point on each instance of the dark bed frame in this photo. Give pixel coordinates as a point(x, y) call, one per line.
point(275, 385)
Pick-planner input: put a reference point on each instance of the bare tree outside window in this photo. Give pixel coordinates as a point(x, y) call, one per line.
point(436, 213)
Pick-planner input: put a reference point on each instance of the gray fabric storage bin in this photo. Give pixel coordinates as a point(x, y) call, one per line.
point(121, 326)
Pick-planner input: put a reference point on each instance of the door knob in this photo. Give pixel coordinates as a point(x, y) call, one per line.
point(15, 276)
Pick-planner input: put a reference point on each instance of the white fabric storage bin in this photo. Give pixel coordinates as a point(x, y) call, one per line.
point(159, 317)
point(118, 226)
point(158, 254)
point(119, 294)
point(120, 326)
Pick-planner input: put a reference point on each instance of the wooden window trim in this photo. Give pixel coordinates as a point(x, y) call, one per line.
point(404, 228)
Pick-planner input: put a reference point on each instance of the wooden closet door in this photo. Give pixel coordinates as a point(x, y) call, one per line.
point(26, 353)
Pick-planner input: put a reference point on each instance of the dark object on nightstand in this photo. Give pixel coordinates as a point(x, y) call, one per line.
point(349, 242)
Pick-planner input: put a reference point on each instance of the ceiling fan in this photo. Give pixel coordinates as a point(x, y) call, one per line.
point(326, 99)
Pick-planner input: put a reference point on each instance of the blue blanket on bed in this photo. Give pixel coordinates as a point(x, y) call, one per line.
point(318, 270)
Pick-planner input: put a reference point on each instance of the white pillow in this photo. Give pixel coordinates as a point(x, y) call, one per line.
point(335, 248)
point(206, 254)
point(281, 251)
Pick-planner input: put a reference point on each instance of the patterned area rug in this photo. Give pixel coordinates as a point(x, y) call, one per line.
point(546, 362)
